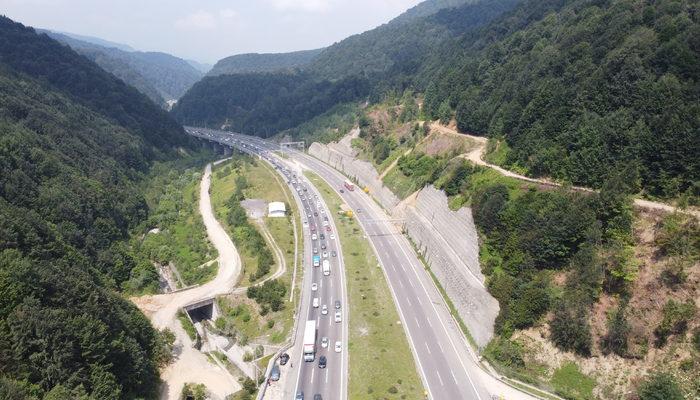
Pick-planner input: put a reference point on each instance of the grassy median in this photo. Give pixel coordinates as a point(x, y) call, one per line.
point(380, 361)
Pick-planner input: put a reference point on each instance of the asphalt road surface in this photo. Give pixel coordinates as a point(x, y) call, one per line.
point(319, 233)
point(446, 366)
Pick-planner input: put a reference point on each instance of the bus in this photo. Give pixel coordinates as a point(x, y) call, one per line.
point(317, 260)
point(349, 185)
point(326, 267)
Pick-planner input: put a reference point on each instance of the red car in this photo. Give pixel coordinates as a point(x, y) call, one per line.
point(313, 228)
point(328, 228)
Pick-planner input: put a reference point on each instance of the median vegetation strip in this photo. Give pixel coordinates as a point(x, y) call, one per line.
point(381, 364)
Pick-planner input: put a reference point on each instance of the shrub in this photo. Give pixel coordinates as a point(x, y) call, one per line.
point(661, 386)
point(615, 340)
point(570, 329)
point(506, 352)
point(675, 320)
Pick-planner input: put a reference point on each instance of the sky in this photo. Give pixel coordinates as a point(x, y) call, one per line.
point(208, 30)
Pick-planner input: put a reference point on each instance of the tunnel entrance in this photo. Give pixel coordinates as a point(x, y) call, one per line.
point(202, 310)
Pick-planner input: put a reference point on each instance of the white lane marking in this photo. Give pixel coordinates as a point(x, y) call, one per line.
point(314, 370)
point(326, 375)
point(427, 347)
point(436, 371)
point(411, 282)
point(401, 283)
point(441, 349)
point(320, 285)
point(417, 322)
point(409, 302)
point(419, 302)
point(454, 378)
point(318, 322)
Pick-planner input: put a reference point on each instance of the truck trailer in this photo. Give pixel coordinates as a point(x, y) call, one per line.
point(310, 341)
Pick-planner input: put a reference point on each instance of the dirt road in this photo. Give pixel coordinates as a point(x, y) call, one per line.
point(190, 365)
point(477, 157)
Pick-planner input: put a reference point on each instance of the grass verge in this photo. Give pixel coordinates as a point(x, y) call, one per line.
point(239, 314)
point(380, 361)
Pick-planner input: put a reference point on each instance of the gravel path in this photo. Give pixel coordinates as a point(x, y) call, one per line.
point(190, 365)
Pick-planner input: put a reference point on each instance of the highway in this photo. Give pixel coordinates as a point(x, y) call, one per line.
point(319, 240)
point(447, 367)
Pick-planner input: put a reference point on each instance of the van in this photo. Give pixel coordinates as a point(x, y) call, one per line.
point(316, 302)
point(275, 373)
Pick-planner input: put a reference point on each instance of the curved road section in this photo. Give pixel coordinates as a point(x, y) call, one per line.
point(190, 365)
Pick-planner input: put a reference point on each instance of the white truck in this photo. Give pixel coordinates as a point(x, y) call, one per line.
point(326, 267)
point(310, 340)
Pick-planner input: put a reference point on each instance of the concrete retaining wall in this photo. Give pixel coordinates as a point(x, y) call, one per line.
point(447, 239)
point(341, 156)
point(449, 243)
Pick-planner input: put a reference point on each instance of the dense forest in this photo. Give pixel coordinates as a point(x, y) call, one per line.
point(618, 81)
point(270, 62)
point(263, 103)
point(160, 76)
point(580, 89)
point(74, 144)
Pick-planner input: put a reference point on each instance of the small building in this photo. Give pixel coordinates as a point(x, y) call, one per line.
point(276, 209)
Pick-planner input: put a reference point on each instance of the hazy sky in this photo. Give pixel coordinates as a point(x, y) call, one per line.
point(208, 30)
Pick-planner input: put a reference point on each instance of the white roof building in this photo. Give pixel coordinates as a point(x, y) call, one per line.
point(276, 209)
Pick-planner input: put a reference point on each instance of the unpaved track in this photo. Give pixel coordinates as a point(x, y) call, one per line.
point(191, 365)
point(476, 156)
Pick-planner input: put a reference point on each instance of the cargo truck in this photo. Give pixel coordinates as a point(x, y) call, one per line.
point(349, 185)
point(310, 340)
point(326, 267)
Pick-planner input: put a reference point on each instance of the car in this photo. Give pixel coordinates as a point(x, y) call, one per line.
point(284, 358)
point(316, 302)
point(332, 236)
point(324, 309)
point(324, 342)
point(333, 253)
point(338, 347)
point(337, 304)
point(306, 223)
point(315, 250)
point(322, 362)
point(325, 221)
point(275, 373)
point(342, 191)
point(325, 254)
point(299, 396)
point(323, 237)
point(318, 397)
point(359, 210)
point(315, 214)
point(314, 237)
point(313, 228)
point(314, 287)
point(323, 246)
point(328, 228)
point(338, 316)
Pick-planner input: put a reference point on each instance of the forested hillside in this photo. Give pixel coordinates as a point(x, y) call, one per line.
point(362, 65)
point(159, 76)
point(45, 60)
point(254, 62)
point(580, 89)
point(74, 144)
point(263, 103)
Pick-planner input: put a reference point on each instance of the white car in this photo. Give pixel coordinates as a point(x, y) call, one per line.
point(314, 236)
point(306, 223)
point(338, 316)
point(332, 236)
point(324, 309)
point(324, 342)
point(317, 302)
point(314, 287)
point(325, 254)
point(338, 347)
